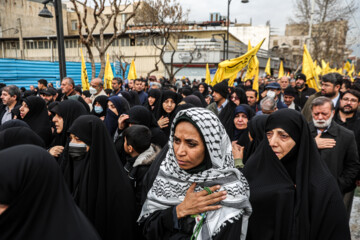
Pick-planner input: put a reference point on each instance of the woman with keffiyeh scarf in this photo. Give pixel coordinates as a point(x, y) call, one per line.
point(197, 194)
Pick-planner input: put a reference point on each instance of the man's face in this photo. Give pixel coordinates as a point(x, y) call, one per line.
point(349, 103)
point(284, 82)
point(138, 86)
point(41, 86)
point(300, 83)
point(131, 84)
point(32, 88)
point(142, 86)
point(329, 90)
point(48, 98)
point(95, 84)
point(248, 83)
point(288, 99)
point(322, 115)
point(217, 96)
point(251, 98)
point(66, 87)
point(7, 99)
point(115, 85)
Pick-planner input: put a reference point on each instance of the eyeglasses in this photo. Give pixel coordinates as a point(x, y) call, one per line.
point(234, 98)
point(352, 100)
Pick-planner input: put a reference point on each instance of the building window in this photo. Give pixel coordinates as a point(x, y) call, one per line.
point(132, 42)
point(70, 44)
point(296, 42)
point(41, 44)
point(46, 44)
point(275, 43)
point(66, 44)
point(54, 44)
point(74, 25)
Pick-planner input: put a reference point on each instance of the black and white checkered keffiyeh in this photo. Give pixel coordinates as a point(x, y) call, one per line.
point(170, 186)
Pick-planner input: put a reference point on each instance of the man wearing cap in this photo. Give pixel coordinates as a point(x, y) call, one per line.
point(302, 90)
point(289, 97)
point(272, 90)
point(49, 95)
point(220, 94)
point(222, 107)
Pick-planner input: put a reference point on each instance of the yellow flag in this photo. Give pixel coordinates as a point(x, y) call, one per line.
point(229, 69)
point(340, 70)
point(208, 77)
point(84, 76)
point(268, 68)
point(347, 66)
point(281, 70)
point(255, 85)
point(308, 69)
point(325, 67)
point(288, 74)
point(350, 73)
point(108, 76)
point(132, 71)
point(318, 70)
point(252, 67)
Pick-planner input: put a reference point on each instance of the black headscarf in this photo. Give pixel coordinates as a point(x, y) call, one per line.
point(69, 110)
point(111, 119)
point(201, 97)
point(166, 95)
point(81, 100)
point(13, 123)
point(103, 191)
point(256, 128)
point(135, 100)
point(142, 116)
point(242, 135)
point(194, 100)
point(240, 93)
point(19, 135)
point(102, 100)
point(132, 97)
point(38, 118)
point(155, 93)
point(206, 91)
point(310, 207)
point(40, 206)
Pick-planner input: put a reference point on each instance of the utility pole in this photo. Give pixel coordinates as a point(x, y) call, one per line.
point(60, 38)
point(21, 42)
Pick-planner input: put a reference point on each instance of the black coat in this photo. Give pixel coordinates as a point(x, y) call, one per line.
point(343, 159)
point(302, 97)
point(352, 124)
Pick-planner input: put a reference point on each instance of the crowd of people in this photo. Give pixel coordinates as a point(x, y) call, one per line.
point(154, 159)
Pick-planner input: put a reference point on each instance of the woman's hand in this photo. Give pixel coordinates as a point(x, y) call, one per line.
point(121, 121)
point(237, 150)
point(56, 151)
point(199, 202)
point(163, 122)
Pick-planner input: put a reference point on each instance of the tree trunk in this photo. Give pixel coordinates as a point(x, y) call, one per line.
point(102, 69)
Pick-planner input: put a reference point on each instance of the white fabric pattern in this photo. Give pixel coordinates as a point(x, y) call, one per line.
point(170, 186)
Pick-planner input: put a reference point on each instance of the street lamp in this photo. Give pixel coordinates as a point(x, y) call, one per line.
point(214, 40)
point(59, 32)
point(228, 24)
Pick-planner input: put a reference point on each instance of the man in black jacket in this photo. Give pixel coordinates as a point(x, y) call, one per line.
point(337, 146)
point(10, 97)
point(348, 116)
point(302, 90)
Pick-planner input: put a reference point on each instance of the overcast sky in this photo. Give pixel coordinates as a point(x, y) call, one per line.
point(277, 11)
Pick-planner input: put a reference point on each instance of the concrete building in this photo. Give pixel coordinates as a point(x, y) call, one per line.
point(327, 42)
point(19, 22)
